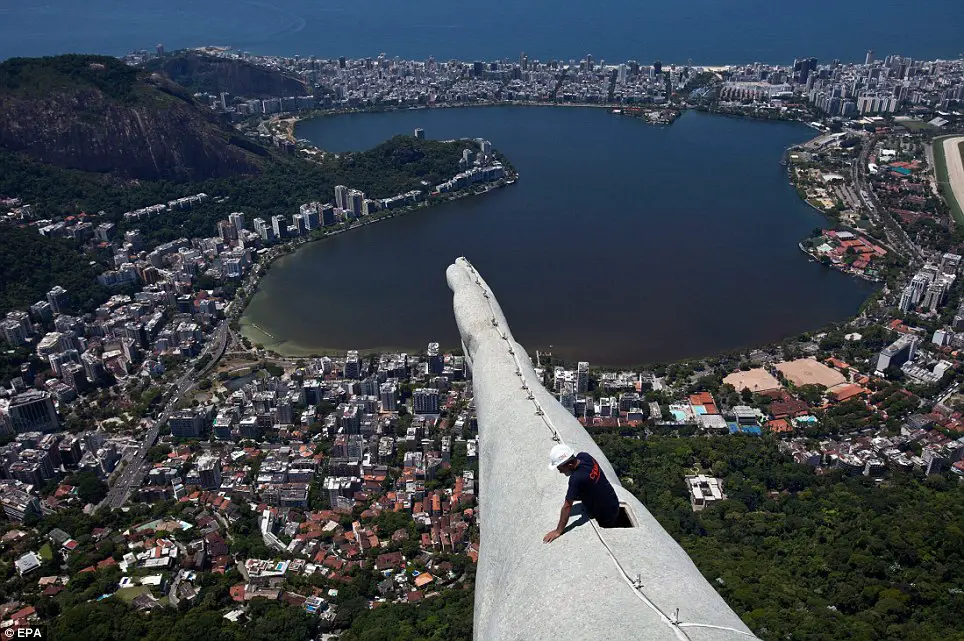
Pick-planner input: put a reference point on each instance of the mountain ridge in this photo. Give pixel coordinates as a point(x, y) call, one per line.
point(96, 114)
point(200, 72)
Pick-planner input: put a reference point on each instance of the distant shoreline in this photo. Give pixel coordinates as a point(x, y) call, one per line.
point(290, 121)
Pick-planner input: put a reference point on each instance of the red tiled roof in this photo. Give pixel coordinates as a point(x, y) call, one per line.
point(845, 392)
point(26, 612)
point(778, 426)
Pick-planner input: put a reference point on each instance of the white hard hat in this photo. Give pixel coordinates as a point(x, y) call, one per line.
point(560, 454)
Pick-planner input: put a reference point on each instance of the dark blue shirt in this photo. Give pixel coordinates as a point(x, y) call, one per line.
point(589, 484)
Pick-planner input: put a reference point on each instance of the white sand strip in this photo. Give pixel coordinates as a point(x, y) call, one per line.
point(955, 168)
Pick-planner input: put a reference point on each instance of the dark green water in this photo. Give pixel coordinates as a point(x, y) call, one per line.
point(622, 243)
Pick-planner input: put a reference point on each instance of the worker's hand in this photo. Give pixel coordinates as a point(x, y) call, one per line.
point(552, 536)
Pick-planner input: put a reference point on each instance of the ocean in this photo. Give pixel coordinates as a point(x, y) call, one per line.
point(702, 31)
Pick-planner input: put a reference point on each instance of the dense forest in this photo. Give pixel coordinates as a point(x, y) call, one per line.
point(112, 619)
point(199, 72)
point(395, 166)
point(30, 264)
point(447, 617)
point(37, 77)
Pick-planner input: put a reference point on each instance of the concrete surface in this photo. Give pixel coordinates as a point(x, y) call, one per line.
point(581, 586)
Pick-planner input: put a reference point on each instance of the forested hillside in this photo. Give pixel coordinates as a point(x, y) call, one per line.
point(199, 72)
point(95, 113)
point(801, 556)
point(31, 264)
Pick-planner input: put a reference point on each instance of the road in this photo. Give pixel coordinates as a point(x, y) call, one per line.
point(896, 236)
point(138, 465)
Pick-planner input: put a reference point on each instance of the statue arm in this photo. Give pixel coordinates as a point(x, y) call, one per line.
point(563, 520)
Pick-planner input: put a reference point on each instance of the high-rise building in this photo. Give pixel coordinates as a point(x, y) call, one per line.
point(582, 377)
point(918, 285)
point(435, 364)
point(388, 396)
point(73, 374)
point(935, 295)
point(58, 299)
point(22, 318)
point(33, 411)
point(349, 418)
point(906, 299)
point(237, 219)
point(567, 398)
point(42, 311)
point(352, 365)
point(425, 401)
point(284, 411)
point(279, 226)
point(227, 231)
point(897, 353)
point(13, 333)
point(355, 202)
point(70, 451)
point(419, 133)
point(802, 68)
point(950, 263)
point(869, 58)
point(341, 196)
point(327, 215)
point(209, 471)
point(188, 423)
point(263, 229)
point(17, 504)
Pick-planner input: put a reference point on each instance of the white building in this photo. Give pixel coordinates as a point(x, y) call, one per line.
point(704, 491)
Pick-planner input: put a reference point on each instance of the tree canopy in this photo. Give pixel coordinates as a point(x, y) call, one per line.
point(806, 556)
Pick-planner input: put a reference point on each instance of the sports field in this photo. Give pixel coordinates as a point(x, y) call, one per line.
point(949, 170)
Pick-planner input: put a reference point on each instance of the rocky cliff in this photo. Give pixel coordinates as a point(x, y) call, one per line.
point(96, 114)
point(203, 73)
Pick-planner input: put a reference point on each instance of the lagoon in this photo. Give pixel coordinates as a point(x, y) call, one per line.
point(622, 243)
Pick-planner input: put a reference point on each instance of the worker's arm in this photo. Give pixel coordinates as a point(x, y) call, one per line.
point(563, 521)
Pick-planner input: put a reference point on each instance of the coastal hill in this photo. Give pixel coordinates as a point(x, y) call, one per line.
point(199, 72)
point(96, 114)
point(88, 138)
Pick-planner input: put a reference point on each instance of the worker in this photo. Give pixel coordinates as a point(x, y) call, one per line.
point(587, 483)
